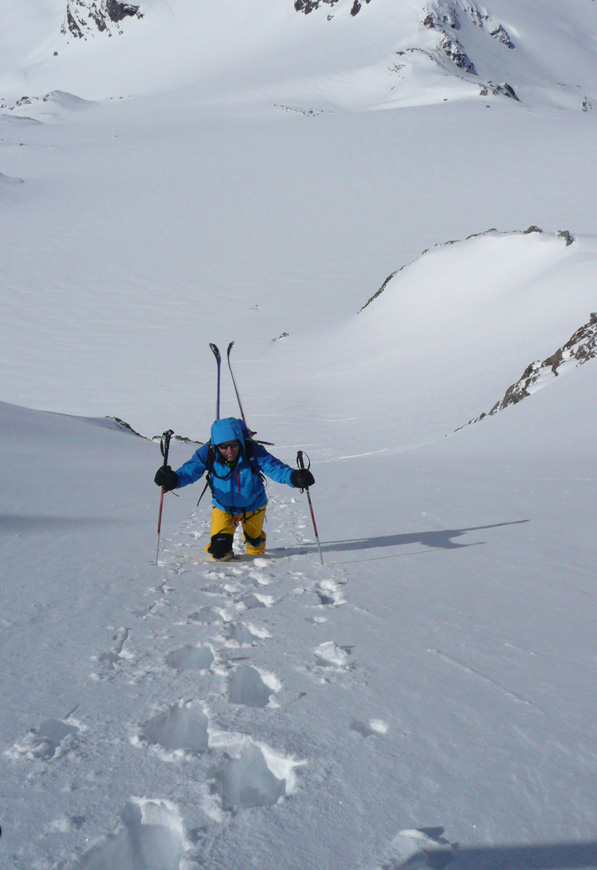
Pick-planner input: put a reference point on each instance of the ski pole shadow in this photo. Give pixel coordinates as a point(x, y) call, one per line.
point(551, 856)
point(444, 539)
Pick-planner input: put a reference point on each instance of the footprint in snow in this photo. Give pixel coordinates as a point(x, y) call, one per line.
point(329, 593)
point(330, 655)
point(258, 578)
point(253, 775)
point(152, 835)
point(215, 589)
point(111, 660)
point(205, 615)
point(190, 658)
point(370, 727)
point(65, 824)
point(53, 739)
point(182, 727)
point(253, 600)
point(254, 688)
point(237, 633)
point(419, 849)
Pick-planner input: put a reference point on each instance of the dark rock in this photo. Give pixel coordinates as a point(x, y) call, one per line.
point(505, 90)
point(117, 10)
point(532, 229)
point(578, 350)
point(356, 6)
point(501, 34)
point(567, 236)
point(84, 17)
point(440, 18)
point(455, 52)
point(307, 6)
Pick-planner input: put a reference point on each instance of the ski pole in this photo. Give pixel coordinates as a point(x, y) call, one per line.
point(242, 413)
point(301, 464)
point(165, 448)
point(216, 352)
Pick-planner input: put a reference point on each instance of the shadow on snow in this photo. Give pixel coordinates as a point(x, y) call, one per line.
point(438, 540)
point(554, 856)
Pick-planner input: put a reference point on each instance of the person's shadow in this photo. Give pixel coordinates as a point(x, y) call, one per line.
point(439, 540)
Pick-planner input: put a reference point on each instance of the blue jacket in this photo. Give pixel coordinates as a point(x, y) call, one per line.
point(239, 488)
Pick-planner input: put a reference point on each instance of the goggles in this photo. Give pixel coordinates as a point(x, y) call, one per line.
point(229, 445)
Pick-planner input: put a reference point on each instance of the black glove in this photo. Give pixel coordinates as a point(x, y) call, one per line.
point(302, 478)
point(166, 478)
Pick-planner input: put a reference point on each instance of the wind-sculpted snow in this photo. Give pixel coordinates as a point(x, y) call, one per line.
point(440, 326)
point(8, 181)
point(53, 107)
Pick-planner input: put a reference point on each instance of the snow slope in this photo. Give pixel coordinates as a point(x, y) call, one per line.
point(435, 673)
point(235, 172)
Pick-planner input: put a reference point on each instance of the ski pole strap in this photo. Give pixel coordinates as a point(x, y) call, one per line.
point(165, 445)
point(301, 462)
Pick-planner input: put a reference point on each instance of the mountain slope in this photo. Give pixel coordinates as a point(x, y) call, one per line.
point(331, 59)
point(253, 170)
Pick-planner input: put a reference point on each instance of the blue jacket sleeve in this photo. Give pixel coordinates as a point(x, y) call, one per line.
point(194, 468)
point(271, 466)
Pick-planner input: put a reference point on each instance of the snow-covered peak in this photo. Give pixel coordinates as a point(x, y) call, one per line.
point(317, 55)
point(88, 17)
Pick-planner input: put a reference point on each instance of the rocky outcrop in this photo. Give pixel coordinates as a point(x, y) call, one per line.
point(87, 17)
point(307, 6)
point(500, 90)
point(450, 19)
point(453, 50)
point(578, 350)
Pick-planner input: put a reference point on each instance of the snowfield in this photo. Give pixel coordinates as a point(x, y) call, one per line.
point(396, 246)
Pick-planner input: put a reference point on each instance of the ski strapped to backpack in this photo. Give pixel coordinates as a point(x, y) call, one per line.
point(247, 433)
point(240, 404)
point(216, 352)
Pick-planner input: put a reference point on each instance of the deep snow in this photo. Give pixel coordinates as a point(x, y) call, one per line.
point(426, 697)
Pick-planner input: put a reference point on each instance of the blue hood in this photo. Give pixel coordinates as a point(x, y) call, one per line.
point(227, 429)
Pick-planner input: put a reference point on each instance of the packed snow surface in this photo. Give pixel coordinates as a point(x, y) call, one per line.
point(344, 190)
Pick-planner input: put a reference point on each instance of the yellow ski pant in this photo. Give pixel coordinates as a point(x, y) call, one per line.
point(225, 523)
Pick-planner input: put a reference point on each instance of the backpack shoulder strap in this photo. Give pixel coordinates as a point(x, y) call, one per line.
point(250, 454)
point(211, 457)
